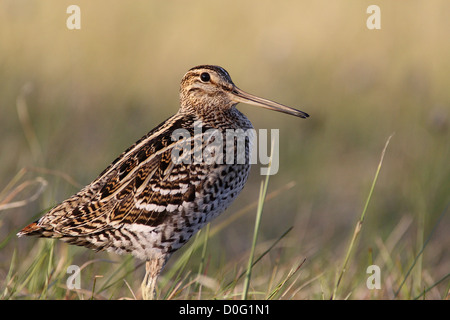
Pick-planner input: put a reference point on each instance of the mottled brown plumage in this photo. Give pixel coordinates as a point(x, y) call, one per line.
point(149, 203)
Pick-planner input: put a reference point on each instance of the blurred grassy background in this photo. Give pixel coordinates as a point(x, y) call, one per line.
point(91, 93)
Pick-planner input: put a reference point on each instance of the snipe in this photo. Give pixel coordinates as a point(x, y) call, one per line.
point(146, 202)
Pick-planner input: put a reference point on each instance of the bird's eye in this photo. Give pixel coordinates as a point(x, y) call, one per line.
point(205, 77)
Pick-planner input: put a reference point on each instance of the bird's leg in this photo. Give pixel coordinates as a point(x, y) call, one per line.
point(152, 270)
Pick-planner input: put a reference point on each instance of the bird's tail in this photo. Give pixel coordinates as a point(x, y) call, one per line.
point(33, 229)
point(36, 229)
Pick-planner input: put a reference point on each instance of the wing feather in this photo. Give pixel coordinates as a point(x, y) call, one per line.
point(142, 186)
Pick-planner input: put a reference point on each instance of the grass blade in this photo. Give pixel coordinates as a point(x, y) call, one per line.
point(421, 251)
point(255, 237)
point(433, 285)
point(205, 246)
point(360, 222)
point(262, 197)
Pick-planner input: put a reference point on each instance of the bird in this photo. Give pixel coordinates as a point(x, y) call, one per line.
point(148, 202)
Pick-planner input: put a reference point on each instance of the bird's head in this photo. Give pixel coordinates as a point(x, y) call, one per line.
point(210, 87)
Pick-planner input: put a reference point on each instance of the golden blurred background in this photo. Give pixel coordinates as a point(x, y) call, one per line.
point(72, 100)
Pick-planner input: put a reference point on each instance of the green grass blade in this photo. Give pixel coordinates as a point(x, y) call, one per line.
point(233, 282)
point(205, 246)
point(179, 263)
point(9, 277)
point(432, 286)
point(255, 237)
point(360, 222)
point(419, 254)
point(282, 283)
point(110, 281)
point(262, 197)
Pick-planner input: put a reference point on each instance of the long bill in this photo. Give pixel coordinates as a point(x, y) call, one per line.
point(244, 97)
